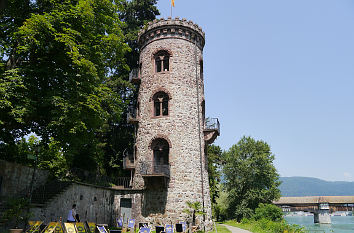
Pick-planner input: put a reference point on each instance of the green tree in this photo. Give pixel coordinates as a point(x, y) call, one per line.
point(136, 14)
point(56, 70)
point(64, 69)
point(221, 206)
point(214, 171)
point(250, 177)
point(47, 157)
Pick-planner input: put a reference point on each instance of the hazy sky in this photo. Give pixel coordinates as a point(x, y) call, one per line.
point(281, 71)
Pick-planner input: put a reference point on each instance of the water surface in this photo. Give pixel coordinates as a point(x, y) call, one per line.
point(340, 224)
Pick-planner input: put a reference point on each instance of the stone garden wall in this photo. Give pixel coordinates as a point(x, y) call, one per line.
point(94, 204)
point(15, 179)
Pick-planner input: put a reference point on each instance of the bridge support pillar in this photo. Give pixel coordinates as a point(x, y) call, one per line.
point(322, 217)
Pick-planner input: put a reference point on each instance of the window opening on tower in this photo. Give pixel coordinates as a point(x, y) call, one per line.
point(160, 104)
point(201, 68)
point(160, 149)
point(162, 61)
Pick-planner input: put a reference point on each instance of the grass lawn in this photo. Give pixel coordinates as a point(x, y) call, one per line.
point(220, 229)
point(248, 227)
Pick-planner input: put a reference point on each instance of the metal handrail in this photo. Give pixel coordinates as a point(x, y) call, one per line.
point(96, 179)
point(152, 168)
point(212, 124)
point(124, 182)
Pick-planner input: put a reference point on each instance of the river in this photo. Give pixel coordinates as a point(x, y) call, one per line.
point(340, 224)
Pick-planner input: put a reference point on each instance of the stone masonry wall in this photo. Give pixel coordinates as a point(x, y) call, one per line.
point(94, 204)
point(16, 178)
point(180, 127)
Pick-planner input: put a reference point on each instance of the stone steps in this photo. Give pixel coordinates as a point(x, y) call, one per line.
point(43, 194)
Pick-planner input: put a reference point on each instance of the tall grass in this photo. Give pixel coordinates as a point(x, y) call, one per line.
point(266, 226)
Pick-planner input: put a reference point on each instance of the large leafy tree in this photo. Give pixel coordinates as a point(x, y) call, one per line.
point(63, 70)
point(57, 63)
point(250, 177)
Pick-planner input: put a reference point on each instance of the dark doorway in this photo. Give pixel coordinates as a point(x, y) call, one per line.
point(126, 208)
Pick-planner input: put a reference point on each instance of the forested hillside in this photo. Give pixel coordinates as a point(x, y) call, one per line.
point(308, 186)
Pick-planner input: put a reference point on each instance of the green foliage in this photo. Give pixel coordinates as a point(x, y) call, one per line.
point(250, 177)
point(214, 171)
point(136, 14)
point(222, 206)
point(16, 211)
point(194, 209)
point(267, 226)
point(220, 229)
point(64, 69)
point(268, 211)
point(62, 57)
point(117, 136)
point(49, 157)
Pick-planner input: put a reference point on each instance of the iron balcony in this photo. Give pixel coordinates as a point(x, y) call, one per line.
point(150, 168)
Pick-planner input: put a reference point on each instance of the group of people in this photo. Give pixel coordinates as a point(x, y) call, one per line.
point(73, 216)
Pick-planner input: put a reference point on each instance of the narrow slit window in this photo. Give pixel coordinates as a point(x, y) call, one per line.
point(157, 108)
point(166, 64)
point(158, 64)
point(165, 107)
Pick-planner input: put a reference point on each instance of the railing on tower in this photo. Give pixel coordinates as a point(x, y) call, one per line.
point(123, 182)
point(212, 124)
point(90, 177)
point(134, 76)
point(150, 168)
point(132, 115)
point(128, 162)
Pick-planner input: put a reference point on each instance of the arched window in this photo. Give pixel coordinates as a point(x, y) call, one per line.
point(162, 61)
point(160, 104)
point(160, 148)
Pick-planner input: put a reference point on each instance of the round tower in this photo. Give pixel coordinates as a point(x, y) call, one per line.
point(171, 136)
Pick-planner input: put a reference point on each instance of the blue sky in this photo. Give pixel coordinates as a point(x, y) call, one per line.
point(283, 72)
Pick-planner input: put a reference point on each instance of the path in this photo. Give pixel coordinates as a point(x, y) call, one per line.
point(235, 229)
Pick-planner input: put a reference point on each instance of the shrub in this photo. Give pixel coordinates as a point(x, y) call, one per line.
point(268, 211)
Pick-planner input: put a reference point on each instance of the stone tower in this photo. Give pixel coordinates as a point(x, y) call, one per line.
point(170, 164)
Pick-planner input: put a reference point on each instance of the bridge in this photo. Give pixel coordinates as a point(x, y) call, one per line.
point(320, 206)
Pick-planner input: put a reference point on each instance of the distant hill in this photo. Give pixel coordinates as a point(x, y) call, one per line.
point(308, 186)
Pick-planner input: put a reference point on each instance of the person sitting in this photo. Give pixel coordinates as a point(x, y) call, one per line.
point(72, 214)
